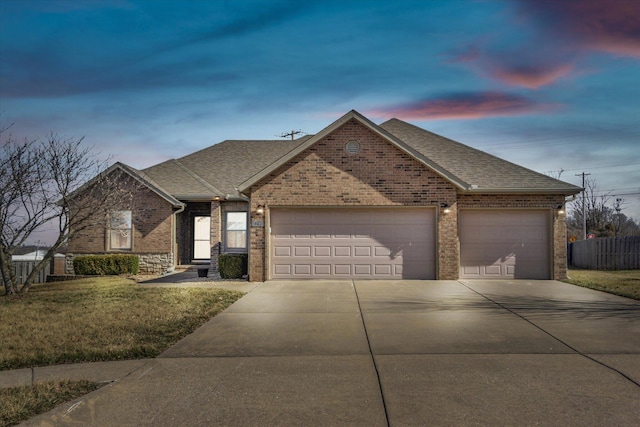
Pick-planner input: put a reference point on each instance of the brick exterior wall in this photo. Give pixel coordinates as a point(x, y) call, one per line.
point(152, 221)
point(379, 175)
point(559, 245)
point(326, 175)
point(216, 238)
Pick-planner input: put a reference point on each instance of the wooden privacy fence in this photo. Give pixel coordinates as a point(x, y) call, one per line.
point(606, 253)
point(23, 268)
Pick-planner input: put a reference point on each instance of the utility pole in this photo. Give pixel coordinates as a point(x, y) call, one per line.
point(38, 243)
point(584, 215)
point(618, 208)
point(291, 134)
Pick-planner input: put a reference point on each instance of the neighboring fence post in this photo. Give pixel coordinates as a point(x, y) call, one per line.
point(605, 253)
point(22, 269)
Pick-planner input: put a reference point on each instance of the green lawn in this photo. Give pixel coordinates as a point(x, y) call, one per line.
point(98, 319)
point(22, 403)
point(625, 283)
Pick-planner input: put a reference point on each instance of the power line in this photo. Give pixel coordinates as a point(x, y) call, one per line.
point(570, 136)
point(601, 167)
point(603, 196)
point(560, 171)
point(616, 189)
point(623, 194)
point(511, 146)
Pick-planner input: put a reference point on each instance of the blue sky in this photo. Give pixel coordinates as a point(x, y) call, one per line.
point(550, 85)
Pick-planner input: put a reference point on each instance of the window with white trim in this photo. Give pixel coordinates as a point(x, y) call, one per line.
point(236, 230)
point(120, 236)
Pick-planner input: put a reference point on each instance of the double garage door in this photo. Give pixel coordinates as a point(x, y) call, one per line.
point(394, 243)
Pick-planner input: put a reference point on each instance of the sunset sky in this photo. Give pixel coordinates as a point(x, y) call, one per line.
point(551, 85)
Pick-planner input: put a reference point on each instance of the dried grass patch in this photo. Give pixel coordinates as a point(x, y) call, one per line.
point(100, 319)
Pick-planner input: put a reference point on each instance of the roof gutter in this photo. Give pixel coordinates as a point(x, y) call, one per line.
point(211, 197)
point(565, 191)
point(198, 197)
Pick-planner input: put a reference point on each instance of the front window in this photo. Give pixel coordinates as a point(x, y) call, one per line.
point(120, 230)
point(236, 230)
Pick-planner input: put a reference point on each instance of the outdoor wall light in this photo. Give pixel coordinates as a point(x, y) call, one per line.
point(560, 208)
point(260, 209)
point(445, 207)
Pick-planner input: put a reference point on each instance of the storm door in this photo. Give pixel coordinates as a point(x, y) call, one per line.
point(201, 237)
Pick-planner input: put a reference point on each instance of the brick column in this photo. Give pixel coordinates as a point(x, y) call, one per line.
point(258, 222)
point(559, 244)
point(216, 238)
point(448, 244)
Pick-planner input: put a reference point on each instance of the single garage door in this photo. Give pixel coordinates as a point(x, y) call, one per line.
point(504, 244)
point(352, 243)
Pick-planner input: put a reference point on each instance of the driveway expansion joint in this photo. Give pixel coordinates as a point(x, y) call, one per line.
point(373, 359)
point(578, 352)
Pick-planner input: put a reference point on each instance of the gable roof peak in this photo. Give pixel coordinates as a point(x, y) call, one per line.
point(137, 175)
point(351, 115)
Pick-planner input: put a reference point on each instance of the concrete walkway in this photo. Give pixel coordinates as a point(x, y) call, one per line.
point(101, 372)
point(188, 278)
point(389, 353)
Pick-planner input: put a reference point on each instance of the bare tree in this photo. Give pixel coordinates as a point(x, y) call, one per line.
point(597, 212)
point(602, 220)
point(620, 223)
point(39, 186)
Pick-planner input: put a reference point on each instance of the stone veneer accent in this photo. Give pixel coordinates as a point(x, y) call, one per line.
point(148, 263)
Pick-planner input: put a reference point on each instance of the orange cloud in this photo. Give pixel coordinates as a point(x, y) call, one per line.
point(531, 77)
point(464, 106)
point(530, 70)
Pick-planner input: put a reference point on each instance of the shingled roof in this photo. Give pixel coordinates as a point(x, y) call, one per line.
point(470, 170)
point(216, 171)
point(475, 170)
point(228, 168)
point(139, 176)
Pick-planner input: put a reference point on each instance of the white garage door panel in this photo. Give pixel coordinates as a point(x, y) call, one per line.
point(353, 243)
point(510, 244)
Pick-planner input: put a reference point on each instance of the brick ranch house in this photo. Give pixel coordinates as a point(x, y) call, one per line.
point(356, 200)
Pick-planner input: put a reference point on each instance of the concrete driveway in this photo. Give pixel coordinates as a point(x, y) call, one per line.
point(376, 353)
